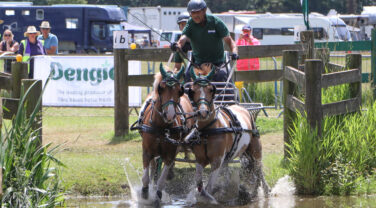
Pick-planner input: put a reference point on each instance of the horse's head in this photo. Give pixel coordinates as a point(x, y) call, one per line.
point(169, 91)
point(202, 91)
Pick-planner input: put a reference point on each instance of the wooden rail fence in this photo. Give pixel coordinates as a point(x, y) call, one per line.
point(123, 80)
point(310, 81)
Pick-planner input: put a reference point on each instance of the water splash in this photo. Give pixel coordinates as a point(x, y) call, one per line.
point(135, 187)
point(281, 195)
point(284, 187)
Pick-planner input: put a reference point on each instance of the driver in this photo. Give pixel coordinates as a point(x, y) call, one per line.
point(206, 34)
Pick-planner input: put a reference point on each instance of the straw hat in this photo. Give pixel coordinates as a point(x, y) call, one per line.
point(45, 24)
point(31, 29)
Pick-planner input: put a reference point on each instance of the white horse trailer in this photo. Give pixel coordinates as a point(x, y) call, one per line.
point(277, 29)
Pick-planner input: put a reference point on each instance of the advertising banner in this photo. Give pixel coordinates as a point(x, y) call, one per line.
point(84, 81)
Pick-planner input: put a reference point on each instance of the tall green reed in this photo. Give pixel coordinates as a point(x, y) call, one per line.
point(262, 92)
point(339, 162)
point(29, 176)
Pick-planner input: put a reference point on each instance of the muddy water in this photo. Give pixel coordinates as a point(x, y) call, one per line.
point(282, 196)
point(274, 202)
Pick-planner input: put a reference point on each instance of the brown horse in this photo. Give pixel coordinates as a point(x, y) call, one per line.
point(162, 124)
point(225, 133)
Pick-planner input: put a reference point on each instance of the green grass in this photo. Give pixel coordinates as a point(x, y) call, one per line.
point(268, 125)
point(274, 168)
point(90, 173)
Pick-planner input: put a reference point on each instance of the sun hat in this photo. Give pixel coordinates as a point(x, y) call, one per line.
point(247, 27)
point(31, 29)
point(45, 24)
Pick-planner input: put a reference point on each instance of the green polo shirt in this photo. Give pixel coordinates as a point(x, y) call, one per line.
point(207, 40)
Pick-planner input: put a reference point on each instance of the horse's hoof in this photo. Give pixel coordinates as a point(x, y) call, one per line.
point(244, 197)
point(157, 203)
point(170, 174)
point(207, 197)
point(159, 194)
point(145, 192)
point(266, 191)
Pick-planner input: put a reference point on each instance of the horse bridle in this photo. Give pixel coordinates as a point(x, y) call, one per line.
point(170, 82)
point(203, 82)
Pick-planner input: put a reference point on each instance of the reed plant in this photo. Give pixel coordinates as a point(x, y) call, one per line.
point(342, 161)
point(262, 93)
point(29, 176)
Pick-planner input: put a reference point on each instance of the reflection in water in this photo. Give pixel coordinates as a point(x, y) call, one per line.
point(275, 201)
point(282, 195)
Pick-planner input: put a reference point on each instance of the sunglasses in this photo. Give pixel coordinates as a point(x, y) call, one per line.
point(7, 35)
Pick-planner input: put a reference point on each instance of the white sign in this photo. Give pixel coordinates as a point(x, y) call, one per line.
point(120, 39)
point(82, 80)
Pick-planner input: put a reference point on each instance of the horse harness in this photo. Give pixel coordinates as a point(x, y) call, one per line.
point(235, 128)
point(165, 132)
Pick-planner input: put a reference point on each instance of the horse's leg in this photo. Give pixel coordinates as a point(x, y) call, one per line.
point(162, 179)
point(198, 177)
point(153, 170)
point(146, 158)
point(171, 174)
point(199, 184)
point(215, 169)
point(256, 153)
point(257, 166)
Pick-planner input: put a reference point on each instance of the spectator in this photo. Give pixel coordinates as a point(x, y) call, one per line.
point(245, 39)
point(178, 59)
point(8, 45)
point(145, 42)
point(31, 47)
point(207, 33)
point(50, 40)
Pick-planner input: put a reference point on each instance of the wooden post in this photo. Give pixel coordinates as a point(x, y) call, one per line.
point(313, 106)
point(19, 71)
point(307, 40)
point(1, 113)
point(1, 167)
point(121, 93)
point(290, 58)
point(373, 62)
point(1, 182)
point(354, 61)
point(32, 101)
point(323, 54)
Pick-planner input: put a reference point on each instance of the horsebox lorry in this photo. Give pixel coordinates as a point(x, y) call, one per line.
point(275, 29)
point(79, 28)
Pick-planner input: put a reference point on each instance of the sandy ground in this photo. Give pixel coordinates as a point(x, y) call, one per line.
point(272, 143)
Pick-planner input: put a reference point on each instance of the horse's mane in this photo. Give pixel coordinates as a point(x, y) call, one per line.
point(158, 79)
point(204, 69)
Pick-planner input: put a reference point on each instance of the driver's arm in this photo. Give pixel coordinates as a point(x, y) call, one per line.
point(183, 39)
point(231, 44)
